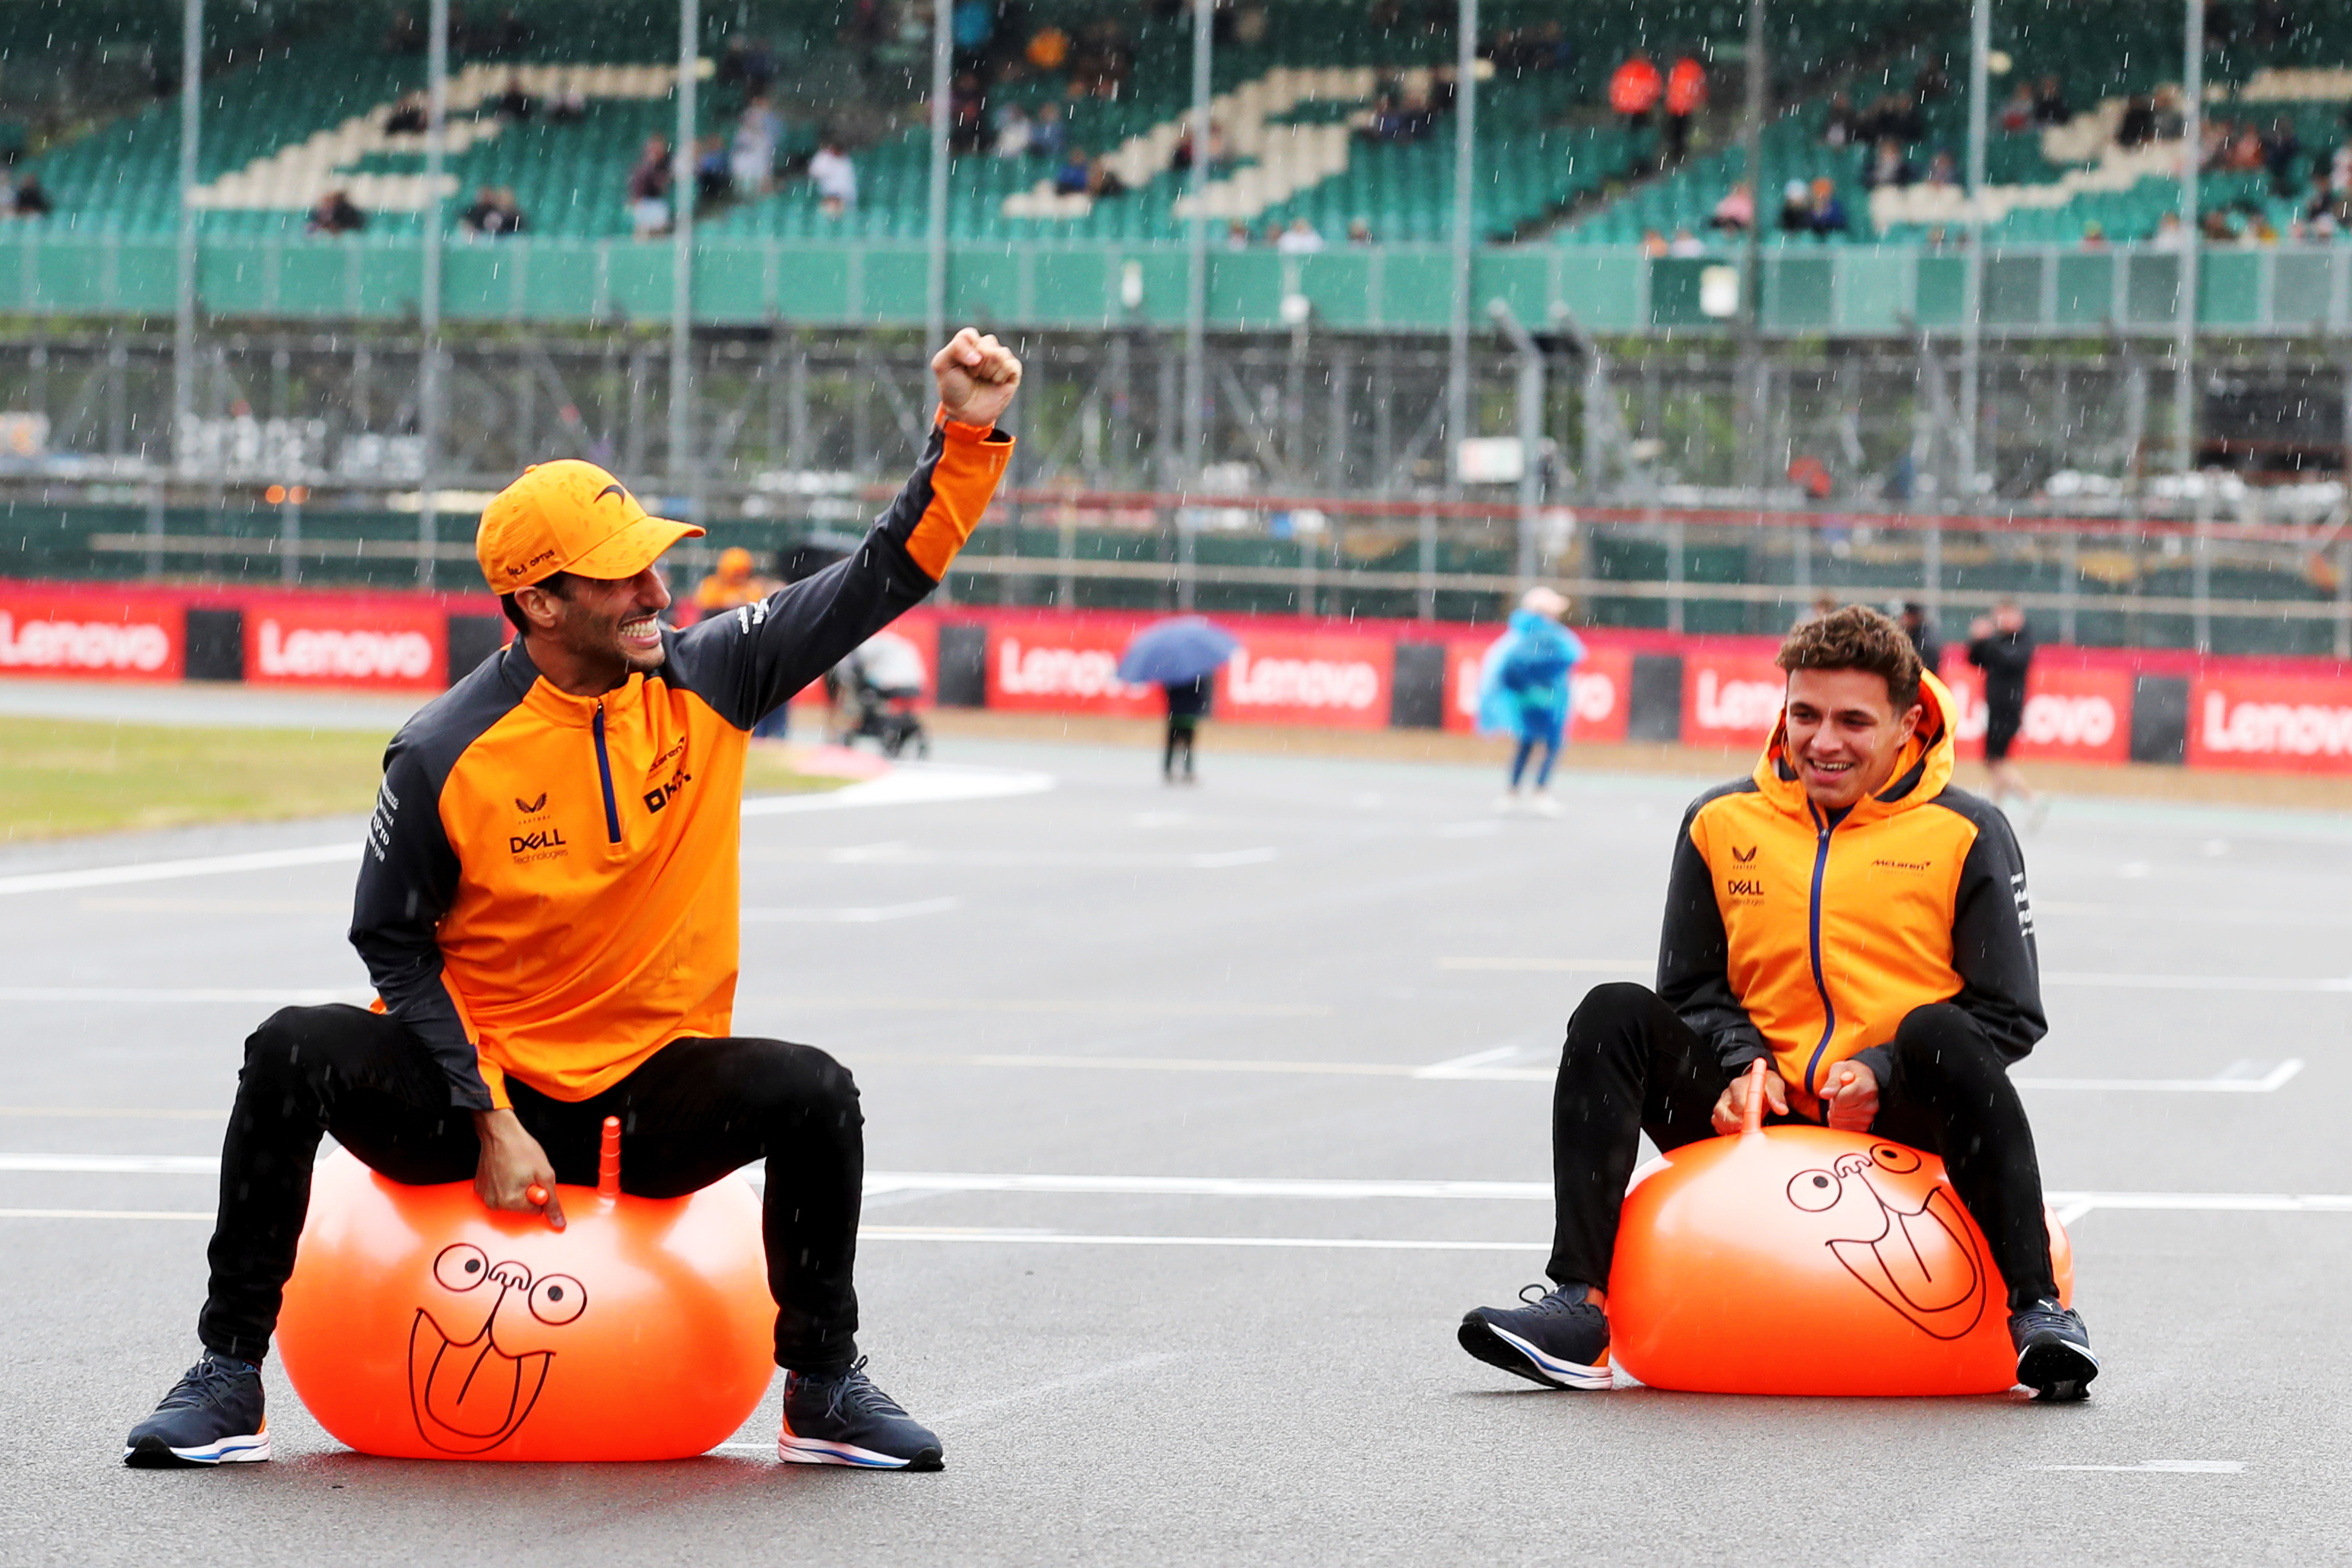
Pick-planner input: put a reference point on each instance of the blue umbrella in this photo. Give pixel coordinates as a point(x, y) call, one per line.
point(1177, 651)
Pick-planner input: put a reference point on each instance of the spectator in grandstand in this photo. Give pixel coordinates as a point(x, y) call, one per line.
point(1634, 87)
point(2170, 125)
point(410, 116)
point(2001, 645)
point(1686, 245)
point(649, 190)
point(2246, 153)
point(2017, 113)
point(1301, 238)
point(2137, 128)
point(405, 35)
point(1897, 118)
point(835, 177)
point(1237, 236)
point(2280, 149)
point(333, 213)
point(1386, 121)
point(29, 199)
point(1736, 212)
point(2169, 234)
point(2216, 228)
point(1839, 125)
point(2094, 234)
point(967, 113)
point(1012, 132)
point(1685, 96)
point(493, 214)
point(1070, 175)
point(1274, 233)
point(1045, 138)
point(747, 63)
point(752, 160)
point(2050, 106)
point(1921, 629)
point(1796, 208)
point(1358, 232)
point(714, 178)
point(1889, 168)
point(1828, 212)
point(1653, 244)
point(567, 105)
point(1048, 49)
point(514, 102)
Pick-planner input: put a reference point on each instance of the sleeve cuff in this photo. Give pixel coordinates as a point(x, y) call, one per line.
point(958, 431)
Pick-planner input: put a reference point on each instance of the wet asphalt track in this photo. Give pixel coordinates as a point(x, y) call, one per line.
point(1088, 982)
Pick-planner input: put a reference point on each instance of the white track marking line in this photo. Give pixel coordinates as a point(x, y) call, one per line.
point(1554, 965)
point(116, 1164)
point(1021, 1396)
point(1067, 1238)
point(1462, 1067)
point(127, 995)
point(106, 1112)
point(867, 916)
point(2162, 1467)
point(168, 871)
point(106, 1214)
point(2269, 1083)
point(2087, 978)
point(877, 1181)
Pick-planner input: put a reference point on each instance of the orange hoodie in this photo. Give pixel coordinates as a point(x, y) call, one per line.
point(1808, 938)
point(550, 887)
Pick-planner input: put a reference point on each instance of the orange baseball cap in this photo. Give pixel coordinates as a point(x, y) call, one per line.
point(568, 516)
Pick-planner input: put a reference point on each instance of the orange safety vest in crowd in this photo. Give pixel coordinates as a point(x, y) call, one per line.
point(1633, 86)
point(1685, 87)
point(549, 889)
point(1808, 939)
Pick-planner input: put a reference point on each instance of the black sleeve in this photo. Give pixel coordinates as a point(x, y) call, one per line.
point(748, 661)
point(1694, 956)
point(1992, 936)
point(408, 875)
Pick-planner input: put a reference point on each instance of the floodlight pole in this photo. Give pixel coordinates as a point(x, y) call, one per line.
point(935, 296)
point(429, 394)
point(1196, 237)
point(1465, 130)
point(681, 265)
point(1532, 404)
point(191, 114)
point(1751, 268)
point(1972, 304)
point(2193, 143)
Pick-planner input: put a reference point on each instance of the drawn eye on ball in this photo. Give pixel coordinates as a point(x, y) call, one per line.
point(461, 1267)
point(1813, 1191)
point(558, 1299)
point(1889, 1157)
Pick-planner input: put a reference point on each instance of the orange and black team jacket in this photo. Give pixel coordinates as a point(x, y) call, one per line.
point(549, 890)
point(1808, 937)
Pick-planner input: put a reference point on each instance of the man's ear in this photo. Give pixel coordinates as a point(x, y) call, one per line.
point(537, 606)
point(1910, 723)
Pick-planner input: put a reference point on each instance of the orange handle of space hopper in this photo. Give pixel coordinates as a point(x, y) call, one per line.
point(1752, 1118)
point(608, 1168)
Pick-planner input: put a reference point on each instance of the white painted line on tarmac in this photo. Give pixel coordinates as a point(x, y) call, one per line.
point(168, 871)
point(868, 915)
point(2162, 1467)
point(908, 784)
point(1067, 1238)
point(1021, 1396)
point(2265, 982)
point(878, 1181)
point(2270, 1082)
point(1554, 965)
point(359, 996)
point(106, 1214)
point(116, 1164)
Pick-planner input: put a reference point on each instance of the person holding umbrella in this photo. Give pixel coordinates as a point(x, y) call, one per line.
point(1523, 690)
point(1180, 657)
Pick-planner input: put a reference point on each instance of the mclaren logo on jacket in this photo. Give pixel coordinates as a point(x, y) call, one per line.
point(1811, 938)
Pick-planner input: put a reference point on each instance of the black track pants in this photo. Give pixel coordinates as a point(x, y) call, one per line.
point(694, 1112)
point(1630, 1066)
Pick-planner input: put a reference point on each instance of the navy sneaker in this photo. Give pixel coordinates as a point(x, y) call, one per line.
point(212, 1417)
point(841, 1418)
point(2053, 1350)
point(1559, 1339)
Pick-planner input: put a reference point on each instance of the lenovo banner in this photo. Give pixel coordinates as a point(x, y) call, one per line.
point(2071, 715)
point(1598, 690)
point(1056, 667)
point(1730, 698)
point(2272, 722)
point(396, 646)
point(86, 636)
point(1328, 679)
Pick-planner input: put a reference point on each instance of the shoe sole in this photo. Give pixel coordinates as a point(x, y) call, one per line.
point(154, 1454)
point(2056, 1371)
point(1508, 1352)
point(817, 1451)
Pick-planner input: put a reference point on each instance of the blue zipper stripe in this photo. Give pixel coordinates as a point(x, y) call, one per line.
point(1813, 929)
point(613, 809)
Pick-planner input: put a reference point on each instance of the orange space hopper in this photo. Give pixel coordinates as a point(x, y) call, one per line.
point(1804, 1260)
point(419, 1324)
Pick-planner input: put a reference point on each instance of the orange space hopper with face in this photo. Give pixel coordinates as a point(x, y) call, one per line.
point(419, 1324)
point(1804, 1260)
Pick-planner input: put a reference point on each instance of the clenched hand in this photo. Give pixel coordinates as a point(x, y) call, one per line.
point(977, 377)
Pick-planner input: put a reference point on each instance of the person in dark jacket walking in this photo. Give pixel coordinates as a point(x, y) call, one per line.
point(2002, 646)
point(1921, 629)
point(1188, 704)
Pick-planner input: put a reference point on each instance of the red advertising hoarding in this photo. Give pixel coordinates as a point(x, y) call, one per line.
point(347, 642)
point(1731, 697)
point(1334, 680)
point(120, 638)
point(1599, 691)
point(2276, 723)
point(1064, 666)
point(2073, 714)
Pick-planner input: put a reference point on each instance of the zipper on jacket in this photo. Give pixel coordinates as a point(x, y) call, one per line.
point(1824, 828)
point(612, 810)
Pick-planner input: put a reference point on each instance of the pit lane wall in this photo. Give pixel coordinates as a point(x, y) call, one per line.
point(2083, 705)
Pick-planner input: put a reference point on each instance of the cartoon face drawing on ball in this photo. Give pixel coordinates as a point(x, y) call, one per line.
point(1921, 1261)
point(470, 1394)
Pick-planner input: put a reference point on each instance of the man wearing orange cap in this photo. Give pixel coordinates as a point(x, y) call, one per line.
point(547, 906)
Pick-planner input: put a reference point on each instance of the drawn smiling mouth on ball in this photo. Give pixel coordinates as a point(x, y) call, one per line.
point(469, 1396)
point(1922, 1262)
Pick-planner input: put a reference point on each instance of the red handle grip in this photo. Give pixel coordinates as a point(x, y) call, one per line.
point(537, 1194)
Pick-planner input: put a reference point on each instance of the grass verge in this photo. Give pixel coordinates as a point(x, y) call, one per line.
point(63, 778)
